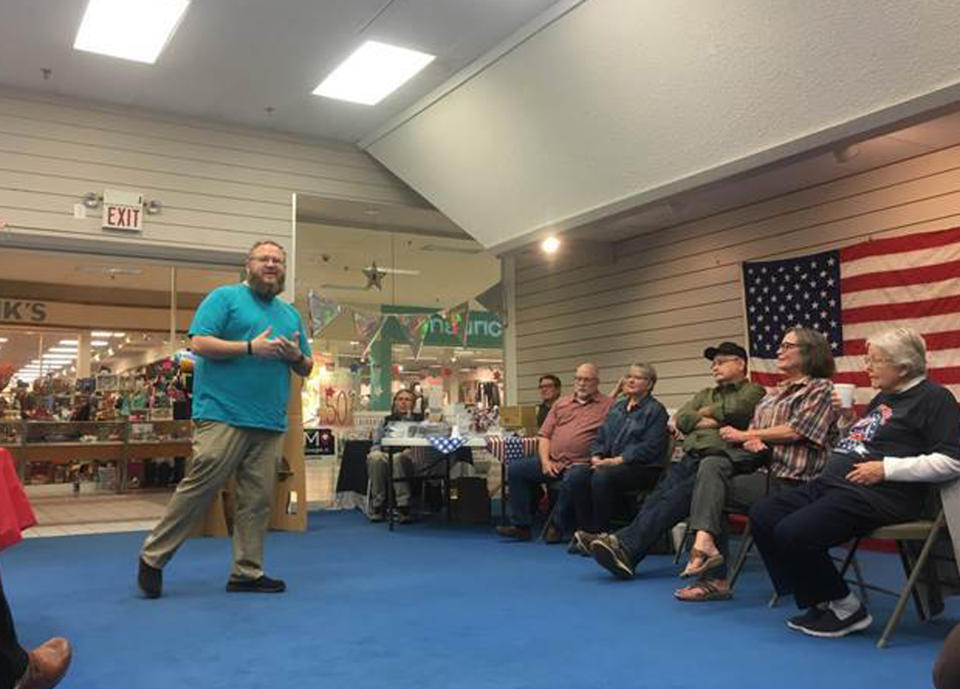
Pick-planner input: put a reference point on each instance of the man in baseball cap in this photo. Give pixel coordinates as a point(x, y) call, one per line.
point(729, 402)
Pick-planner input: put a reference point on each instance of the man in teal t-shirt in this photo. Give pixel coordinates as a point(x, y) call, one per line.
point(247, 341)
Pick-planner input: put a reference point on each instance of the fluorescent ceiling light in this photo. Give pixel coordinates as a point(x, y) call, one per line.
point(69, 342)
point(101, 333)
point(373, 71)
point(3, 339)
point(62, 350)
point(130, 29)
point(98, 343)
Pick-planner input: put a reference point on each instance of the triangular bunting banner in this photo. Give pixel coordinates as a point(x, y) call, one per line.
point(322, 312)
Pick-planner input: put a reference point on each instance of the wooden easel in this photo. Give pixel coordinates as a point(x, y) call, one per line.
point(289, 508)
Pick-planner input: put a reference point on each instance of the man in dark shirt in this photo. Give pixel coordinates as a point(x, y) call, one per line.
point(728, 403)
point(549, 393)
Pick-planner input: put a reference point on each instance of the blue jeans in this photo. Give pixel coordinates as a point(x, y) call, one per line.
point(524, 475)
point(667, 505)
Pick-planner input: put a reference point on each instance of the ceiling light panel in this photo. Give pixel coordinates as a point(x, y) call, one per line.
point(135, 30)
point(372, 72)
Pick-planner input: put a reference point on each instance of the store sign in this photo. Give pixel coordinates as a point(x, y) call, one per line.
point(122, 210)
point(484, 330)
point(53, 313)
point(17, 311)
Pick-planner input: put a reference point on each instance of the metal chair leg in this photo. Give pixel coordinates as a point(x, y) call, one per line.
point(683, 545)
point(745, 547)
point(911, 582)
point(774, 599)
point(859, 578)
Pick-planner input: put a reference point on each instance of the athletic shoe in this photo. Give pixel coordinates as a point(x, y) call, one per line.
point(262, 584)
point(828, 626)
point(150, 580)
point(580, 543)
point(608, 553)
point(805, 619)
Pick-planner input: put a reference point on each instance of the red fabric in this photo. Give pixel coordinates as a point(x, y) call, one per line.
point(15, 511)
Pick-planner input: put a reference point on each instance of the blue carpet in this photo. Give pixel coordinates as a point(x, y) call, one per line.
point(432, 606)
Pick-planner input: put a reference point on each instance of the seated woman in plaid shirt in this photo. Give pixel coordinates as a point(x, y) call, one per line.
point(786, 445)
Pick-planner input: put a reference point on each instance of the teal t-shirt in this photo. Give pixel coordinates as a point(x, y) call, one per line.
point(245, 391)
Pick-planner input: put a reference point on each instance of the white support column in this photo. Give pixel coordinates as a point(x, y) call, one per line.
point(508, 276)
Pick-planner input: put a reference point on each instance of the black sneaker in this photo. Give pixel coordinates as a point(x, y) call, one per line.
point(580, 543)
point(263, 584)
point(827, 625)
point(805, 619)
point(608, 553)
point(150, 580)
point(402, 515)
point(377, 514)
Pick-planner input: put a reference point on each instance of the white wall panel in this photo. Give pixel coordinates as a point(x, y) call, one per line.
point(222, 187)
point(670, 294)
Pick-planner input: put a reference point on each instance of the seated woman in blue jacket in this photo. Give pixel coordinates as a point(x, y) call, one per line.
point(626, 454)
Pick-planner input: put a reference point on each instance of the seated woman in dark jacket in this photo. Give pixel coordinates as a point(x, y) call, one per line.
point(631, 442)
point(879, 473)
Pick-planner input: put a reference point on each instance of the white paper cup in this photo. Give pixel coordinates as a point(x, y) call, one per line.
point(845, 390)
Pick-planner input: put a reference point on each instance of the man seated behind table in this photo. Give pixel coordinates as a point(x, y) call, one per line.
point(730, 402)
point(400, 410)
point(549, 387)
point(564, 441)
point(627, 453)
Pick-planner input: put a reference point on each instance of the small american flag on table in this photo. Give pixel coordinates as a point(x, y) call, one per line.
point(444, 444)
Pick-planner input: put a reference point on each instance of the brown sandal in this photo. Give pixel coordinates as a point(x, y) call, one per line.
point(707, 591)
point(707, 563)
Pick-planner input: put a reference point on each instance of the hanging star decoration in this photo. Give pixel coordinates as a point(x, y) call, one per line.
point(374, 276)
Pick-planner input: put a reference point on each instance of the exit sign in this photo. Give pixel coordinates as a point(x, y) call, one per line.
point(122, 210)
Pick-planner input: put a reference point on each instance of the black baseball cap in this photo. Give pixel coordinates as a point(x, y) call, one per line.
point(730, 348)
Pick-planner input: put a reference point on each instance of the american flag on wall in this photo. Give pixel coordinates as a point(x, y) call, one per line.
point(851, 293)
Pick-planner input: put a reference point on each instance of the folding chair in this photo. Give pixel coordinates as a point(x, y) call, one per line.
point(925, 531)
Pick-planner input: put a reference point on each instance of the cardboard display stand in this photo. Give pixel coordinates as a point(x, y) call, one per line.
point(289, 509)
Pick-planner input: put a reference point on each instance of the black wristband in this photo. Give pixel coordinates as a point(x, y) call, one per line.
point(249, 347)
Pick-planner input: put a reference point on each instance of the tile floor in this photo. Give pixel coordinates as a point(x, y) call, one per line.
point(68, 515)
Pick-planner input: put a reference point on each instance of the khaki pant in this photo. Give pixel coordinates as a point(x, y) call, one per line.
point(220, 451)
point(377, 472)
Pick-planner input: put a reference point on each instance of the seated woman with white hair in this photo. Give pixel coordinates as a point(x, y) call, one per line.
point(879, 473)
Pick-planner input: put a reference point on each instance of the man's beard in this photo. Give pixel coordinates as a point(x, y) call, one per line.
point(266, 289)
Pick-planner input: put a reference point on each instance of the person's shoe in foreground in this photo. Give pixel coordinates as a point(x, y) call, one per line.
point(402, 515)
point(580, 543)
point(553, 535)
point(377, 514)
point(262, 584)
point(609, 554)
point(517, 533)
point(826, 623)
point(150, 580)
point(47, 665)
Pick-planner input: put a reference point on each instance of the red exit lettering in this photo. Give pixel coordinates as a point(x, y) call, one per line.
point(117, 216)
